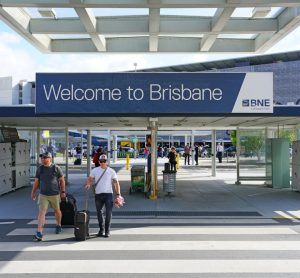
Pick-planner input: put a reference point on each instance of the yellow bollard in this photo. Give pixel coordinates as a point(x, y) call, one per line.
point(127, 161)
point(177, 160)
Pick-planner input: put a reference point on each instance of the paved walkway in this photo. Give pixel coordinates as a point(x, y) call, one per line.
point(196, 191)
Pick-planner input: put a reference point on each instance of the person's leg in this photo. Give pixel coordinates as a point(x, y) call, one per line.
point(188, 159)
point(43, 207)
point(54, 202)
point(41, 220)
point(57, 214)
point(108, 212)
point(99, 201)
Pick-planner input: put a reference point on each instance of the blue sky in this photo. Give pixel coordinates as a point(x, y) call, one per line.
point(21, 60)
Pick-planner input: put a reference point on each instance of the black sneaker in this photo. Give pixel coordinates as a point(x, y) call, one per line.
point(100, 233)
point(58, 229)
point(38, 236)
point(107, 234)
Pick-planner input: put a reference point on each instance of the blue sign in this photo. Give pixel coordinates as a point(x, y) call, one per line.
point(151, 93)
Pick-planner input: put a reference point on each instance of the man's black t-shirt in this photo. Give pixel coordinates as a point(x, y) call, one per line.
point(48, 178)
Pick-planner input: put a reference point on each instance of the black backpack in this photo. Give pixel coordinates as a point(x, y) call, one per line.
point(68, 209)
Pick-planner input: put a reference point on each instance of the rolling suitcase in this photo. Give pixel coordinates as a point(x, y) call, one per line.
point(77, 161)
point(82, 219)
point(68, 210)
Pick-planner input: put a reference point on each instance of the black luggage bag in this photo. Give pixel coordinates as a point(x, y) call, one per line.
point(68, 209)
point(81, 228)
point(167, 167)
point(77, 161)
point(82, 221)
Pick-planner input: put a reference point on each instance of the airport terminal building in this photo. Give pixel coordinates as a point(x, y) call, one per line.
point(167, 103)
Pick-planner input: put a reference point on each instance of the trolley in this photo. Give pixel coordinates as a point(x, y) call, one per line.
point(138, 179)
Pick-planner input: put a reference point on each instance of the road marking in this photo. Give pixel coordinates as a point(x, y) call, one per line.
point(7, 223)
point(153, 266)
point(103, 244)
point(292, 215)
point(173, 231)
point(171, 220)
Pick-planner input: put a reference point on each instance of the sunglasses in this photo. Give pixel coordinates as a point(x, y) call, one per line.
point(45, 157)
point(102, 161)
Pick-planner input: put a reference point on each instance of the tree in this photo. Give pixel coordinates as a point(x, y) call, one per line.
point(253, 145)
point(233, 137)
point(289, 134)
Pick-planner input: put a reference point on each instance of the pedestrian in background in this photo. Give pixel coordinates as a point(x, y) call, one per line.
point(172, 158)
point(50, 181)
point(187, 151)
point(220, 152)
point(196, 153)
point(96, 156)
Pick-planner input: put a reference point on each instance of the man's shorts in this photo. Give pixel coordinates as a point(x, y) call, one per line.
point(46, 201)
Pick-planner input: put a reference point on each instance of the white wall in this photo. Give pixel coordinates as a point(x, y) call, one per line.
point(27, 91)
point(5, 91)
point(15, 94)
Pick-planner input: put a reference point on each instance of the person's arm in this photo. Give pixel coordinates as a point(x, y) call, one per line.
point(88, 183)
point(116, 186)
point(62, 185)
point(34, 188)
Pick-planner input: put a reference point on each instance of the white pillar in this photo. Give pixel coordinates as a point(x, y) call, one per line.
point(135, 147)
point(213, 151)
point(153, 123)
point(193, 148)
point(115, 153)
point(38, 146)
point(108, 146)
point(88, 153)
point(67, 154)
point(81, 156)
point(238, 152)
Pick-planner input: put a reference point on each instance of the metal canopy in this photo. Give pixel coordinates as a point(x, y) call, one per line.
point(80, 29)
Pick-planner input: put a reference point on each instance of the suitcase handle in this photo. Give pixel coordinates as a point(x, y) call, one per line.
point(87, 200)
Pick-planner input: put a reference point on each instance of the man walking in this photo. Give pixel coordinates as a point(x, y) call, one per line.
point(196, 153)
point(104, 177)
point(49, 179)
point(220, 150)
point(187, 151)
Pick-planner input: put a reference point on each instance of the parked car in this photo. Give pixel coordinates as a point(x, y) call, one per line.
point(230, 151)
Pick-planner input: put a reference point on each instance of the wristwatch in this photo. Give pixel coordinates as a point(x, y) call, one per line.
point(63, 192)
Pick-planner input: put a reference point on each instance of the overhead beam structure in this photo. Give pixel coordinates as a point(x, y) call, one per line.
point(153, 32)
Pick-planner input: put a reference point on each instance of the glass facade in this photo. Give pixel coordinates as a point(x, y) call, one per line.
point(286, 79)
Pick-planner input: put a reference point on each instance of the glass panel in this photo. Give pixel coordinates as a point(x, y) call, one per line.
point(188, 12)
point(119, 12)
point(275, 11)
point(53, 141)
point(252, 157)
point(68, 36)
point(59, 12)
point(242, 12)
point(236, 36)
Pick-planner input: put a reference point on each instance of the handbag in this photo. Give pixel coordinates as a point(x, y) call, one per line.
point(95, 185)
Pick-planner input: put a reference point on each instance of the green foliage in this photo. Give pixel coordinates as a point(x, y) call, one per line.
point(253, 144)
point(233, 137)
point(288, 134)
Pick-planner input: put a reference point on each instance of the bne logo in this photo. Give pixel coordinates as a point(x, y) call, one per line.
point(256, 102)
